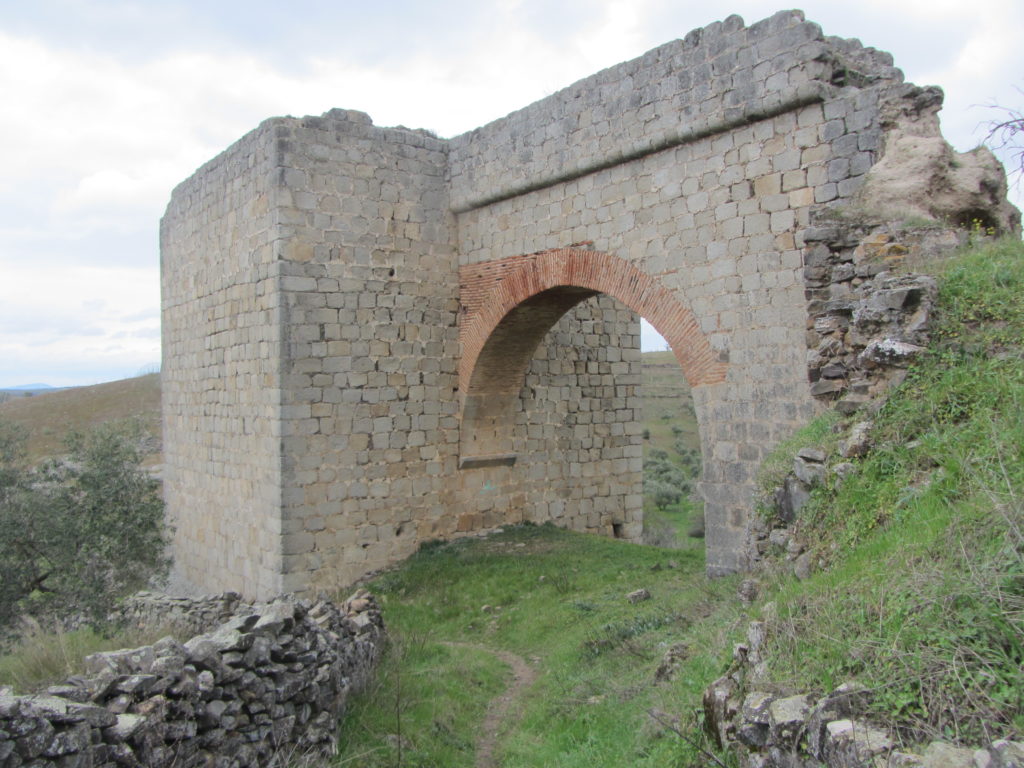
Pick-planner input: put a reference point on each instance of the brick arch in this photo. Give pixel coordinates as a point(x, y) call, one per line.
point(508, 305)
point(491, 290)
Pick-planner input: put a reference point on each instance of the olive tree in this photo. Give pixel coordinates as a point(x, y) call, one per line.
point(77, 533)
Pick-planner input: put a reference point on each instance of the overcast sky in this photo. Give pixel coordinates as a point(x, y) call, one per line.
point(108, 104)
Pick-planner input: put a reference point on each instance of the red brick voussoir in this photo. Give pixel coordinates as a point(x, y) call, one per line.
point(490, 290)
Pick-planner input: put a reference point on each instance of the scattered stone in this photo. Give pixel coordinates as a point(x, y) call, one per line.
point(790, 498)
point(815, 455)
point(1007, 754)
point(810, 473)
point(786, 719)
point(670, 662)
point(858, 441)
point(889, 352)
point(638, 596)
point(747, 591)
point(851, 742)
point(802, 566)
point(852, 403)
point(939, 754)
point(827, 386)
point(793, 549)
point(754, 730)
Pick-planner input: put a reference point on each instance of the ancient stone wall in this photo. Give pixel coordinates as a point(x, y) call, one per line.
point(222, 355)
point(698, 163)
point(375, 337)
point(369, 420)
point(270, 683)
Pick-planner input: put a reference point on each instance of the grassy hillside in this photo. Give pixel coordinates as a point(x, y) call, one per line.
point(921, 593)
point(667, 404)
point(918, 590)
point(671, 454)
point(50, 416)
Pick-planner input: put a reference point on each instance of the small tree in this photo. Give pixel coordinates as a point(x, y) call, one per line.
point(664, 495)
point(77, 534)
point(1006, 134)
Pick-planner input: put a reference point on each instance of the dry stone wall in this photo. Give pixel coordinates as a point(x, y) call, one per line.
point(323, 406)
point(270, 682)
point(764, 728)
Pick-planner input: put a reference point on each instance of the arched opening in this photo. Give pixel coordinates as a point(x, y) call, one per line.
point(509, 308)
point(488, 413)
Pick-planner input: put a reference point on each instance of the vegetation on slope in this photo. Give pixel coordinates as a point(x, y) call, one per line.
point(76, 534)
point(923, 599)
point(48, 417)
point(673, 513)
point(558, 600)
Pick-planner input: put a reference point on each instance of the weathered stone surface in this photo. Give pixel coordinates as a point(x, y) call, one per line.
point(858, 440)
point(809, 472)
point(889, 352)
point(262, 686)
point(1007, 754)
point(786, 718)
point(919, 174)
point(851, 742)
point(790, 499)
point(939, 754)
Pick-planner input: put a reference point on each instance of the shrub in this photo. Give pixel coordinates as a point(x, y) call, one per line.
point(77, 534)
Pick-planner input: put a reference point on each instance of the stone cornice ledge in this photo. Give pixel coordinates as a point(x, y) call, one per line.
point(773, 104)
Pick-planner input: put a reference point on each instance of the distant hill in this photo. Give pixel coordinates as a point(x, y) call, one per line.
point(51, 414)
point(668, 404)
point(28, 390)
point(35, 387)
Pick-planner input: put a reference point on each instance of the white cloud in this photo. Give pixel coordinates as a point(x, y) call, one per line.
point(75, 319)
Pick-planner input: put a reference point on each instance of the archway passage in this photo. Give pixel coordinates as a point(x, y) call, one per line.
point(508, 305)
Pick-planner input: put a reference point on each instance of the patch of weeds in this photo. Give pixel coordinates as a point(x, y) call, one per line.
point(617, 634)
point(42, 657)
point(424, 706)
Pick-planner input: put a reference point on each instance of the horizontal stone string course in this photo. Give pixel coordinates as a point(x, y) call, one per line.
point(270, 682)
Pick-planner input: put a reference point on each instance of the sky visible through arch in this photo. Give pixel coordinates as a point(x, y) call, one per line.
point(110, 103)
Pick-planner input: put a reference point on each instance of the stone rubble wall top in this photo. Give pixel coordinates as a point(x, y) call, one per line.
point(716, 78)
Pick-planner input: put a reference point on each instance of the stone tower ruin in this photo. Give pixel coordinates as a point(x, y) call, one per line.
point(374, 337)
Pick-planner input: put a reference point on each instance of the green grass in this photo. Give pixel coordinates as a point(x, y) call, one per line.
point(558, 599)
point(668, 414)
point(670, 425)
